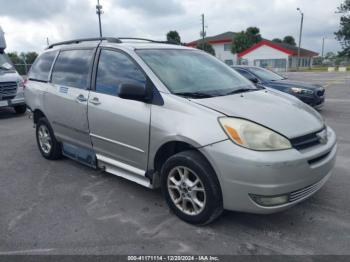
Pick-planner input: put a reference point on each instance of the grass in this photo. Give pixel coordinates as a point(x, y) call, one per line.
point(317, 69)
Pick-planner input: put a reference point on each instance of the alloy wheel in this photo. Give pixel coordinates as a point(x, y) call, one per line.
point(186, 190)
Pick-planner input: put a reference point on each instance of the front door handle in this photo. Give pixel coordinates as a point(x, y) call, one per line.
point(81, 98)
point(95, 101)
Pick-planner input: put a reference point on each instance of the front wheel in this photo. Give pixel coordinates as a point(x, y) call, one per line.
point(191, 188)
point(49, 147)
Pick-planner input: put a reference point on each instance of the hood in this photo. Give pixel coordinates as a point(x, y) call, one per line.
point(283, 113)
point(9, 76)
point(290, 83)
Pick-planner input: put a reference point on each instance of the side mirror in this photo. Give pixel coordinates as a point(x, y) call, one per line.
point(134, 91)
point(254, 80)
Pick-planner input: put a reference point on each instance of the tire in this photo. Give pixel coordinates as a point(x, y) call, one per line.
point(20, 109)
point(206, 191)
point(53, 152)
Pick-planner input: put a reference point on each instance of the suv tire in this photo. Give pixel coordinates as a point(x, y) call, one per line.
point(49, 147)
point(20, 109)
point(191, 188)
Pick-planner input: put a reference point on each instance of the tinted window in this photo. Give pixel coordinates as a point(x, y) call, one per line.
point(40, 70)
point(246, 74)
point(72, 68)
point(265, 74)
point(115, 68)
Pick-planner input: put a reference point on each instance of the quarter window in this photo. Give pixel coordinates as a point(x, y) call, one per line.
point(115, 68)
point(40, 70)
point(72, 68)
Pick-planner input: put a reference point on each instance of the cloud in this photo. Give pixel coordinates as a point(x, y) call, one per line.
point(153, 7)
point(31, 9)
point(27, 23)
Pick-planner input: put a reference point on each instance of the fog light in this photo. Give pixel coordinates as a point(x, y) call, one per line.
point(270, 200)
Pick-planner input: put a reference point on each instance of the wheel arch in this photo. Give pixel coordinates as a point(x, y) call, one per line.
point(170, 148)
point(37, 114)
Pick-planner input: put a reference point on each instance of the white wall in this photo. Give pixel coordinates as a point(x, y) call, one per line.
point(264, 52)
point(224, 55)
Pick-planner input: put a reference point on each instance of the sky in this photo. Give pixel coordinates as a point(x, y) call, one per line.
point(28, 23)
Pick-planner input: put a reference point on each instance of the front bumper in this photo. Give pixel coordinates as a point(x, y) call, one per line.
point(16, 101)
point(313, 100)
point(243, 172)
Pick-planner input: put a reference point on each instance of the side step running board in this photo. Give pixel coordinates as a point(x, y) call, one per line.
point(123, 170)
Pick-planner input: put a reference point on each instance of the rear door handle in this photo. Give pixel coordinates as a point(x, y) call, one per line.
point(95, 101)
point(81, 98)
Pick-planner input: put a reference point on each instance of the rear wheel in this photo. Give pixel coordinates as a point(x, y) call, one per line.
point(20, 109)
point(191, 188)
point(49, 147)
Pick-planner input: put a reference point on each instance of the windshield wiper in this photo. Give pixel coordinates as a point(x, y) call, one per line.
point(193, 94)
point(241, 90)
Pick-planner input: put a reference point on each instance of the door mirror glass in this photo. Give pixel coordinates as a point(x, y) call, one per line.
point(133, 91)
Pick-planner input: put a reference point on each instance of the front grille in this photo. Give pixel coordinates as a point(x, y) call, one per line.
point(306, 141)
point(304, 192)
point(320, 92)
point(8, 90)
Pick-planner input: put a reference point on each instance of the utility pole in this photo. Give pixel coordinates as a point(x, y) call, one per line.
point(300, 34)
point(203, 32)
point(322, 47)
point(99, 12)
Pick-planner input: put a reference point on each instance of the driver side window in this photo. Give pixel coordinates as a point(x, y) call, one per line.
point(115, 68)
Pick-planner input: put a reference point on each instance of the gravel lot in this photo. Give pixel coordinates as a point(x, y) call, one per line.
point(62, 207)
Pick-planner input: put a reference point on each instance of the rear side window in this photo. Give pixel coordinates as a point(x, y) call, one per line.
point(115, 68)
point(40, 70)
point(72, 68)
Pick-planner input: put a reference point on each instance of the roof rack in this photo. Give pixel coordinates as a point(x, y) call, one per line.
point(108, 39)
point(148, 40)
point(77, 41)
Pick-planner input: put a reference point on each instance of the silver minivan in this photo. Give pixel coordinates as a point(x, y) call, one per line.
point(174, 117)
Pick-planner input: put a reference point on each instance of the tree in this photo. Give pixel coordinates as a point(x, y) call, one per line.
point(277, 40)
point(289, 40)
point(330, 55)
point(173, 36)
point(343, 34)
point(20, 61)
point(206, 47)
point(317, 60)
point(245, 39)
point(253, 34)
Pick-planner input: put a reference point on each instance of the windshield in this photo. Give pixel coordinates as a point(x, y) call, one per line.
point(186, 72)
point(5, 62)
point(265, 74)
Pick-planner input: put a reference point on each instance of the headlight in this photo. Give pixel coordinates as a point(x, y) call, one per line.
point(253, 136)
point(298, 90)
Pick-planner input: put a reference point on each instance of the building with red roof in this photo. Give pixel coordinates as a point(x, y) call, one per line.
point(273, 55)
